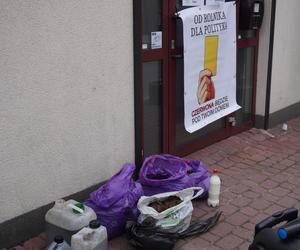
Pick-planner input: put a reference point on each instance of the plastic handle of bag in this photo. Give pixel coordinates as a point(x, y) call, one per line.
point(201, 190)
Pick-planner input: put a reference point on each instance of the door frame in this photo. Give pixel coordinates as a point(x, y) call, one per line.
point(141, 56)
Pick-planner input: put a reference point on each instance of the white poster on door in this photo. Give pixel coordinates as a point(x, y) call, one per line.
point(209, 35)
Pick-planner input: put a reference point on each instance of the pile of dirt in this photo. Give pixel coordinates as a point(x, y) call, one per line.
point(161, 205)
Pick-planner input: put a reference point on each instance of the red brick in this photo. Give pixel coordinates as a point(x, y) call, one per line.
point(195, 243)
point(249, 225)
point(251, 194)
point(279, 191)
point(238, 189)
point(266, 163)
point(241, 201)
point(228, 209)
point(273, 209)
point(242, 165)
point(259, 217)
point(294, 196)
point(257, 158)
point(229, 242)
point(236, 159)
point(237, 219)
point(279, 166)
point(286, 202)
point(260, 204)
point(294, 180)
point(243, 233)
point(259, 137)
point(249, 211)
point(257, 177)
point(269, 184)
point(288, 186)
point(222, 229)
point(210, 237)
point(199, 212)
point(244, 246)
point(287, 162)
point(226, 163)
point(36, 243)
point(250, 162)
point(280, 178)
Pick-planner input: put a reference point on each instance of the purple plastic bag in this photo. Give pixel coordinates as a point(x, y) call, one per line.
point(112, 199)
point(166, 173)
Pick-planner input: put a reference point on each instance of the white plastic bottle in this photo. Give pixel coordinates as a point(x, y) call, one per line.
point(214, 189)
point(93, 237)
point(59, 244)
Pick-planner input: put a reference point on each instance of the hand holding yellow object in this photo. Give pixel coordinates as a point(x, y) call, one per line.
point(206, 88)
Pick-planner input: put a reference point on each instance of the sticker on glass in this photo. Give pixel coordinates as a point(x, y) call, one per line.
point(156, 40)
point(256, 8)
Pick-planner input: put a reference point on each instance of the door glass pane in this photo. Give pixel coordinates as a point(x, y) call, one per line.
point(245, 63)
point(152, 96)
point(246, 34)
point(152, 20)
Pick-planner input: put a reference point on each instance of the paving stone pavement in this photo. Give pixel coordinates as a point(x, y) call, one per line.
point(260, 175)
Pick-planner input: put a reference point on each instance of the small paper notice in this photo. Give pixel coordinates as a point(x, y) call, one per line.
point(200, 2)
point(156, 40)
point(192, 2)
point(256, 8)
point(214, 2)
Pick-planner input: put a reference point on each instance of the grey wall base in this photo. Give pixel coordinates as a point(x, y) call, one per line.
point(31, 224)
point(280, 116)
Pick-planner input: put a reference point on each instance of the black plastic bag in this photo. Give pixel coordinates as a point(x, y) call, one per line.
point(146, 235)
point(145, 238)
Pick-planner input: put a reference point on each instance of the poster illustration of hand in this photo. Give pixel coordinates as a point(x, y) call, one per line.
point(209, 35)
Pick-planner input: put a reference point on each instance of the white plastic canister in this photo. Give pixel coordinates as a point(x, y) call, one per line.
point(214, 189)
point(67, 218)
point(59, 244)
point(93, 237)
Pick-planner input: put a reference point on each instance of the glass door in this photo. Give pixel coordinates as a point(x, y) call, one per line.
point(159, 89)
point(151, 77)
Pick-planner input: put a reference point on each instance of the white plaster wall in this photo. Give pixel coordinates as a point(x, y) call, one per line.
point(263, 56)
point(285, 88)
point(66, 98)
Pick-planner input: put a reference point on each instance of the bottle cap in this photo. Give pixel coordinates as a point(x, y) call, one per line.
point(282, 234)
point(216, 170)
point(94, 224)
point(58, 239)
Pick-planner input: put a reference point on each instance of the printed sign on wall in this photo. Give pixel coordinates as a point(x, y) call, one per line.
point(209, 35)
